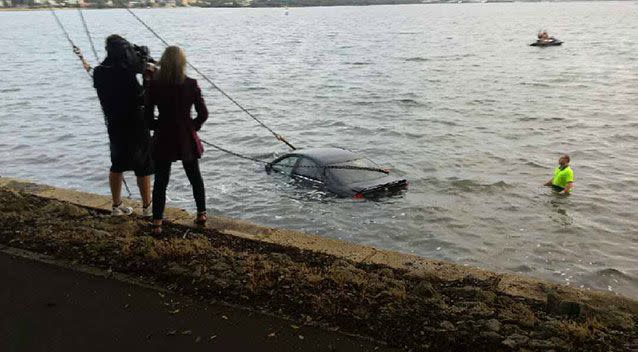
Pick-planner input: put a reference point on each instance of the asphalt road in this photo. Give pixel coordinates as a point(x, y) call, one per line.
point(44, 307)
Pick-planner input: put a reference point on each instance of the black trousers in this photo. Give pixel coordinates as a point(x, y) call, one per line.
point(162, 175)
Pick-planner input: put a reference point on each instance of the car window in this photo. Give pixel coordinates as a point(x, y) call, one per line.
point(308, 168)
point(346, 176)
point(285, 165)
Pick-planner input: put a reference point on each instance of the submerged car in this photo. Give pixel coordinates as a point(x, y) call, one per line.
point(338, 171)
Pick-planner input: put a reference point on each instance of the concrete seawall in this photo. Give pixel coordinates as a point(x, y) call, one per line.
point(540, 301)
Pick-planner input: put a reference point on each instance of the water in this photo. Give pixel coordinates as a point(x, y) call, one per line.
point(449, 96)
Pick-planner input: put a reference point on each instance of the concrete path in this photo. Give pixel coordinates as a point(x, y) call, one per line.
point(48, 308)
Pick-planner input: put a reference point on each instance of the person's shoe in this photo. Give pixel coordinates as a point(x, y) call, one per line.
point(147, 211)
point(201, 218)
point(119, 210)
point(156, 230)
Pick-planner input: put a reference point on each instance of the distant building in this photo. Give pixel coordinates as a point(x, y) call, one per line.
point(167, 3)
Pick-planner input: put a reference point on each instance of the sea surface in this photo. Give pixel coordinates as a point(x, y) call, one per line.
point(449, 96)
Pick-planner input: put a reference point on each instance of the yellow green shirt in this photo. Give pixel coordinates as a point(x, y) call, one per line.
point(562, 177)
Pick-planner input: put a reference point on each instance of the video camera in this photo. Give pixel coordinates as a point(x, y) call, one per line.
point(139, 56)
point(128, 55)
point(143, 54)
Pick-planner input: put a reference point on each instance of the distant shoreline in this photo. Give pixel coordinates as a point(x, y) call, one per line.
point(303, 3)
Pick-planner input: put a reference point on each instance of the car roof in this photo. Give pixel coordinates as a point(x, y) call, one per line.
point(327, 156)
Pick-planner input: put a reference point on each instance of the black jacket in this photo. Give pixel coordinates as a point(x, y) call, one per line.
point(120, 94)
point(122, 100)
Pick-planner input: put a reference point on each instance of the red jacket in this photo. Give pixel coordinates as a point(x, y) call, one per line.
point(175, 136)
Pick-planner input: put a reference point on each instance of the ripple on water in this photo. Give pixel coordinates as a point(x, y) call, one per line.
point(416, 59)
point(20, 147)
point(453, 185)
point(64, 137)
point(610, 279)
point(422, 94)
point(358, 63)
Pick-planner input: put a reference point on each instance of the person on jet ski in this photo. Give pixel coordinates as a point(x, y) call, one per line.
point(544, 37)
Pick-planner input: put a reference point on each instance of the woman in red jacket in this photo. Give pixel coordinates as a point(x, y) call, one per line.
point(175, 137)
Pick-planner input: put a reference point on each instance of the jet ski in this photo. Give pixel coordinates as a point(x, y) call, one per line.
point(551, 41)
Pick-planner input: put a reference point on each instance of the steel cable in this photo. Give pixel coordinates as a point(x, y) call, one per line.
point(77, 51)
point(88, 34)
point(279, 137)
point(85, 64)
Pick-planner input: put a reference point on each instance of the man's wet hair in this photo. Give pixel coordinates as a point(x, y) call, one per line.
point(566, 157)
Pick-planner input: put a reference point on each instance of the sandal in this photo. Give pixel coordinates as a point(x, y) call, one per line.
point(156, 230)
point(201, 218)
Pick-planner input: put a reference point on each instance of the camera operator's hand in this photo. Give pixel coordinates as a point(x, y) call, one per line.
point(149, 70)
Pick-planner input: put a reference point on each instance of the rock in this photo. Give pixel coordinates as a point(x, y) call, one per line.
point(519, 313)
point(569, 308)
point(487, 296)
point(552, 301)
point(280, 258)
point(343, 264)
point(27, 187)
point(448, 325)
point(515, 340)
point(346, 275)
point(361, 312)
point(481, 310)
point(467, 292)
point(609, 316)
point(12, 201)
point(424, 289)
point(219, 282)
point(220, 267)
point(177, 269)
point(556, 305)
point(387, 272)
point(540, 344)
point(60, 208)
point(493, 325)
point(491, 335)
point(100, 233)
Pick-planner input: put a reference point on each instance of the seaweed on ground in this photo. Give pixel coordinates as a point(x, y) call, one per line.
point(411, 310)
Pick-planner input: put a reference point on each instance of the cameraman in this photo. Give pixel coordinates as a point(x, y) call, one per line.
point(122, 100)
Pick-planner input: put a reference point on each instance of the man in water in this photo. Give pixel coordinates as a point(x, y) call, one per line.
point(122, 100)
point(563, 179)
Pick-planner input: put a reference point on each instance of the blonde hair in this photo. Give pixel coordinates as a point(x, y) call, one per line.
point(172, 66)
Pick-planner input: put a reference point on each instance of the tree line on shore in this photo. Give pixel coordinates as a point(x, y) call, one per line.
point(217, 3)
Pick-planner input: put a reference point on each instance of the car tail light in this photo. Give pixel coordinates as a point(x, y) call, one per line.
point(358, 196)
